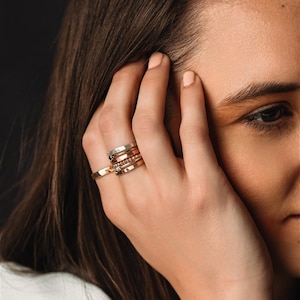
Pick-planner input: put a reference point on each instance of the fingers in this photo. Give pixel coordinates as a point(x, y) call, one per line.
point(116, 113)
point(111, 126)
point(93, 144)
point(148, 120)
point(110, 188)
point(114, 122)
point(197, 149)
point(134, 111)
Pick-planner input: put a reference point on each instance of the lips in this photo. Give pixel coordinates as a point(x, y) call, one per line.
point(295, 216)
point(292, 217)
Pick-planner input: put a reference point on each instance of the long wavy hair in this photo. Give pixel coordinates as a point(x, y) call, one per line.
point(59, 224)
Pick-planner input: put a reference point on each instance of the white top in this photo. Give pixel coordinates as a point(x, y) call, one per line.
point(51, 286)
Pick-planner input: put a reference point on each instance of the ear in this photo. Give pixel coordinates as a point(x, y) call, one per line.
point(173, 114)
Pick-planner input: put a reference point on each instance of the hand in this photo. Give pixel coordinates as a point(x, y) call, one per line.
point(181, 215)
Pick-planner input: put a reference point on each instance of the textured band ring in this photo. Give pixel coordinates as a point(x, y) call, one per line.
point(103, 172)
point(120, 149)
point(128, 168)
point(116, 158)
point(126, 162)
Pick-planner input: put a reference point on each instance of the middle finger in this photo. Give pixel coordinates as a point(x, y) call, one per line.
point(116, 113)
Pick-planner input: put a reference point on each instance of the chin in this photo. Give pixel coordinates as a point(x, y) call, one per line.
point(288, 264)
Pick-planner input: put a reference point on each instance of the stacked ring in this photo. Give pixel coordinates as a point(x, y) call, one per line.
point(121, 149)
point(125, 158)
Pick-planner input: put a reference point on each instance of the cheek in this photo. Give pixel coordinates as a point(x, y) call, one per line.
point(256, 169)
point(265, 172)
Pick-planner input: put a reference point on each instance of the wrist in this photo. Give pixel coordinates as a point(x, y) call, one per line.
point(258, 289)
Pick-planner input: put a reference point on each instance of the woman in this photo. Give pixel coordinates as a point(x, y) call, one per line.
point(185, 216)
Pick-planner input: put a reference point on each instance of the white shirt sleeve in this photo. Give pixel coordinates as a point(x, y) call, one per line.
point(50, 286)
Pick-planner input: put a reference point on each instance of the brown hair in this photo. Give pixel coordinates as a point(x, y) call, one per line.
point(60, 225)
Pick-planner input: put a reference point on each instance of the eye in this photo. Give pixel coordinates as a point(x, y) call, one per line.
point(270, 117)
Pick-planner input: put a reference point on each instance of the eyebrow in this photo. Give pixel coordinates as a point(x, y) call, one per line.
point(256, 90)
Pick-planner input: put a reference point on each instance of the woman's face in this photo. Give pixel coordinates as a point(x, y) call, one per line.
point(250, 68)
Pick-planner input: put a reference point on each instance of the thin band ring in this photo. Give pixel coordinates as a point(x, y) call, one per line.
point(124, 155)
point(103, 172)
point(119, 149)
point(124, 170)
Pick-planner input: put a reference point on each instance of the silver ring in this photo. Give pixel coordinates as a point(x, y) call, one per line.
point(123, 148)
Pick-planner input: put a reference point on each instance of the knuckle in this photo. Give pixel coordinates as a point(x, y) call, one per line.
point(139, 208)
point(199, 202)
point(111, 212)
point(113, 215)
point(137, 201)
point(108, 120)
point(136, 210)
point(193, 134)
point(89, 139)
point(203, 196)
point(124, 75)
point(144, 125)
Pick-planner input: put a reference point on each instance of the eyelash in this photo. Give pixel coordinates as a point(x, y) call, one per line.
point(278, 112)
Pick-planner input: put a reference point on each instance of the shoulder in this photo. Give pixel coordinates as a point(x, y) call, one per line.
point(15, 285)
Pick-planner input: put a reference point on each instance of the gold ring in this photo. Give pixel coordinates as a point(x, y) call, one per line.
point(125, 158)
point(129, 167)
point(124, 155)
point(103, 172)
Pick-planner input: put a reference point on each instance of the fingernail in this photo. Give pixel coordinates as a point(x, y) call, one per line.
point(188, 78)
point(155, 60)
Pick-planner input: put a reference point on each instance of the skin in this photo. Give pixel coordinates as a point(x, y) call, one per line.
point(263, 165)
point(200, 215)
point(227, 258)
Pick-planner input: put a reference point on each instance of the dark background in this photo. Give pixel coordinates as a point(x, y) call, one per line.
point(28, 31)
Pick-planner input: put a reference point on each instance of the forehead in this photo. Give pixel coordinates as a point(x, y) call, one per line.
point(254, 15)
point(249, 41)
